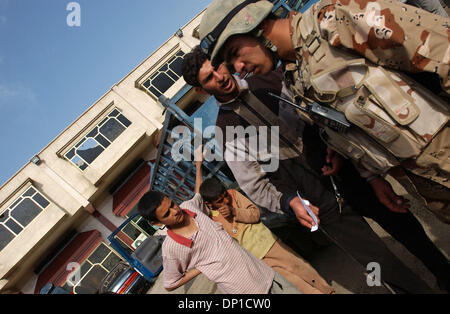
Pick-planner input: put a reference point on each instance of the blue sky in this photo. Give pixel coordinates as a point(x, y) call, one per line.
point(51, 73)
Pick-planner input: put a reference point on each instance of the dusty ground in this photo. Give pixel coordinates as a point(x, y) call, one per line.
point(438, 232)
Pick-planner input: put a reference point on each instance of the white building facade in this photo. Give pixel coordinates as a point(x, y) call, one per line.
point(57, 211)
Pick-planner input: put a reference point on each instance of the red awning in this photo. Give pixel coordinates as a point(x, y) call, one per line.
point(75, 252)
point(132, 191)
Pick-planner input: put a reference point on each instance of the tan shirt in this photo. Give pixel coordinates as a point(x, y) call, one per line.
point(246, 227)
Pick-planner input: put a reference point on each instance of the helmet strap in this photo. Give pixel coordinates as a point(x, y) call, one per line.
point(259, 33)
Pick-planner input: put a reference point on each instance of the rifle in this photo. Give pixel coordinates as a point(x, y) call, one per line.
point(322, 115)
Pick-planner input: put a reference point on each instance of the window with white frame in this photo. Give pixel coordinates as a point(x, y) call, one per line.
point(87, 278)
point(20, 213)
point(163, 78)
point(98, 139)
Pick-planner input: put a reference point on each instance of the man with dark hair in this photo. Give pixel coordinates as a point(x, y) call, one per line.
point(218, 82)
point(148, 204)
point(211, 189)
point(195, 244)
point(193, 62)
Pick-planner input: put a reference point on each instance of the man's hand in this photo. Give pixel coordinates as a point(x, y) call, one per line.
point(301, 213)
point(387, 196)
point(335, 160)
point(189, 275)
point(226, 211)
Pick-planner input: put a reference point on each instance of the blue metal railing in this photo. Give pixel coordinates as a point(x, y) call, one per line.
point(176, 179)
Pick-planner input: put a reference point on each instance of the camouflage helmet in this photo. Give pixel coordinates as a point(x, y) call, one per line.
point(224, 19)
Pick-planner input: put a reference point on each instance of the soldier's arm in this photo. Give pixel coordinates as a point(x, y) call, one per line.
point(386, 195)
point(383, 190)
point(390, 34)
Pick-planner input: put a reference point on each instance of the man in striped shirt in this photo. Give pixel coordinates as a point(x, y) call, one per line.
point(196, 244)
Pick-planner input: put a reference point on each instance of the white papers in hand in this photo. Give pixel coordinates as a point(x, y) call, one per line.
point(310, 212)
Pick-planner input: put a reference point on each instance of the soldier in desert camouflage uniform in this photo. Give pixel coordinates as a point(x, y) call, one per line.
point(347, 54)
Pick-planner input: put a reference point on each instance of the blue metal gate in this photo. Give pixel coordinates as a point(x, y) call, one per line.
point(176, 179)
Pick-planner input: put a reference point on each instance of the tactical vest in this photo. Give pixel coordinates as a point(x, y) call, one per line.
point(400, 116)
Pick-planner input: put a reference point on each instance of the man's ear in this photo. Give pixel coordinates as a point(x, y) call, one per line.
point(201, 90)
